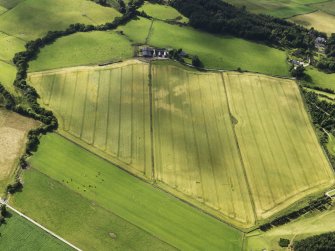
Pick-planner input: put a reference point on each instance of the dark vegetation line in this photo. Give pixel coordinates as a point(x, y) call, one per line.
point(323, 242)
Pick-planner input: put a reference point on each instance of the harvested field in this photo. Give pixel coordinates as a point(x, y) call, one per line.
point(13, 131)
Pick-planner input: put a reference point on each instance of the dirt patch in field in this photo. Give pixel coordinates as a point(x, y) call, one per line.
point(13, 131)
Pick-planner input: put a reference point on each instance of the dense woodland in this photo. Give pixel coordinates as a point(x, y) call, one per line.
point(323, 242)
point(327, 64)
point(216, 16)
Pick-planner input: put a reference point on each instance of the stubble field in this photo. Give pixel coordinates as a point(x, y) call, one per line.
point(13, 131)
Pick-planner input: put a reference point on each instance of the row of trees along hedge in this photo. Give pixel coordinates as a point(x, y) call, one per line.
point(216, 16)
point(322, 113)
point(323, 242)
point(327, 63)
point(6, 98)
point(319, 204)
point(22, 59)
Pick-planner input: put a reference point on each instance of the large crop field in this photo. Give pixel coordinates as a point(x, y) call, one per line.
point(253, 124)
point(31, 19)
point(19, 234)
point(13, 131)
point(107, 108)
point(240, 146)
point(132, 199)
point(89, 48)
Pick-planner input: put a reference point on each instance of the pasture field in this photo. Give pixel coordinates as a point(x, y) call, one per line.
point(79, 220)
point(7, 76)
point(31, 19)
point(220, 52)
point(328, 7)
point(13, 131)
point(9, 4)
point(163, 12)
point(9, 46)
point(20, 234)
point(320, 20)
point(278, 8)
point(105, 108)
point(137, 30)
point(149, 208)
point(321, 79)
point(86, 48)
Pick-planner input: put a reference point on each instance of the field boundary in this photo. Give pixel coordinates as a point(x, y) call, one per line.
point(39, 225)
point(239, 152)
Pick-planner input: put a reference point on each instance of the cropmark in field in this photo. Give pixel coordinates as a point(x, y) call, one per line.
point(105, 108)
point(239, 146)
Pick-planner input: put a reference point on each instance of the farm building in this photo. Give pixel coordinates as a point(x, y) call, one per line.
point(149, 52)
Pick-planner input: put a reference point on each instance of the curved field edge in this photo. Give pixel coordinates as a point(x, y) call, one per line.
point(130, 198)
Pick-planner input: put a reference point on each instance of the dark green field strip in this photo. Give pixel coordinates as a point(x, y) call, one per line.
point(132, 199)
point(77, 219)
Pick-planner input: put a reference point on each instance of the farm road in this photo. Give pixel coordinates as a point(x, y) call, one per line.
point(39, 225)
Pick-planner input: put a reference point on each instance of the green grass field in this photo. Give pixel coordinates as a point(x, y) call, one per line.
point(163, 12)
point(31, 19)
point(9, 4)
point(19, 234)
point(87, 48)
point(155, 211)
point(79, 220)
point(137, 30)
point(220, 52)
point(321, 79)
point(9, 46)
point(7, 76)
point(326, 6)
point(319, 20)
point(278, 8)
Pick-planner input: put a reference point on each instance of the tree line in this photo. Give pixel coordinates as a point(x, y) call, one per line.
point(317, 204)
point(322, 242)
point(219, 17)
